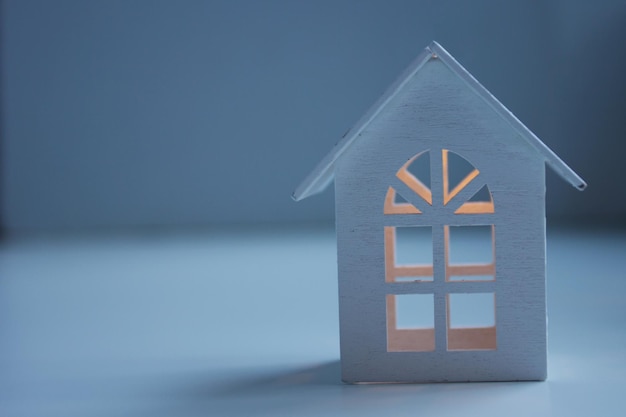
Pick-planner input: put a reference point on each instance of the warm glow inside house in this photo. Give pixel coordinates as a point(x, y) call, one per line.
point(440, 218)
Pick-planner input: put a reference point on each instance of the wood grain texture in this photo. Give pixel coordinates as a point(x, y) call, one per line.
point(439, 108)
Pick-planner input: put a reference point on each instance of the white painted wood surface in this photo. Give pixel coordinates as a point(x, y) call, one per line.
point(323, 173)
point(435, 106)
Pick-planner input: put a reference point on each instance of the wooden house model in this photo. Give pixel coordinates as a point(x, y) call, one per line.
point(438, 156)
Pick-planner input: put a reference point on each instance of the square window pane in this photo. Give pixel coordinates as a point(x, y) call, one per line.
point(410, 323)
point(471, 310)
point(414, 311)
point(471, 322)
point(470, 245)
point(408, 253)
point(414, 245)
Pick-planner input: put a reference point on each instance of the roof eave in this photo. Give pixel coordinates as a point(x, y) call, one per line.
point(552, 159)
point(323, 174)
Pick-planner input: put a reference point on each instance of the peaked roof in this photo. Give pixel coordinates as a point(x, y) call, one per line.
point(324, 172)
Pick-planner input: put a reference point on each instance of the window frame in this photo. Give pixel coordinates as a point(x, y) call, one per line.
point(440, 285)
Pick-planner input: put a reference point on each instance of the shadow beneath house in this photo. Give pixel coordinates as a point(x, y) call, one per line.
point(313, 390)
point(245, 392)
point(326, 374)
point(321, 375)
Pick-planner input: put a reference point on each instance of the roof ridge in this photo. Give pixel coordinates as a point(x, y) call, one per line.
point(323, 173)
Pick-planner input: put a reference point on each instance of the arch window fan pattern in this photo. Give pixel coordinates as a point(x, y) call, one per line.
point(426, 283)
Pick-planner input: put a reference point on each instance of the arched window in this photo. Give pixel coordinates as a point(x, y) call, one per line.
point(462, 274)
point(457, 174)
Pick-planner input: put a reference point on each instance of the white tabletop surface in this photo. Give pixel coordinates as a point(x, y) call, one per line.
point(245, 324)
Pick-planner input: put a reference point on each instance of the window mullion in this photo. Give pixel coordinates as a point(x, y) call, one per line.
point(439, 279)
point(439, 268)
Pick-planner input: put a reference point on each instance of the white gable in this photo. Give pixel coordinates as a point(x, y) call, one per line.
point(323, 174)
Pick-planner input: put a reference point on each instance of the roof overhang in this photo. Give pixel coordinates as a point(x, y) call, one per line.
point(324, 172)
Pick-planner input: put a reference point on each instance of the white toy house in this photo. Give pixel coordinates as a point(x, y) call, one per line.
point(439, 156)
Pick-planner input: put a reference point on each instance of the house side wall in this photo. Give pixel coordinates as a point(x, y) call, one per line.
point(437, 111)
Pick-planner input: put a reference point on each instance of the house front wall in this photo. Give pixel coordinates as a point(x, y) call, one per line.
point(436, 111)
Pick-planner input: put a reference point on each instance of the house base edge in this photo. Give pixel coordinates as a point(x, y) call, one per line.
point(442, 381)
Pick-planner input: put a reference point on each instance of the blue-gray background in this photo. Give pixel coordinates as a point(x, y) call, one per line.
point(195, 113)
